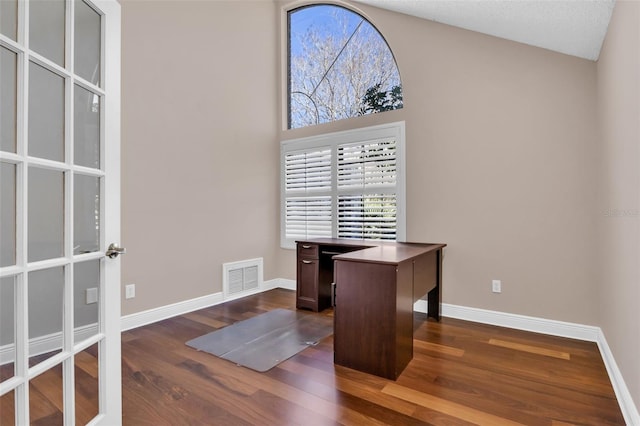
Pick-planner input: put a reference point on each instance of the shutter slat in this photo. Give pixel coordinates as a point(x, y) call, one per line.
point(367, 216)
point(307, 217)
point(364, 169)
point(367, 165)
point(308, 171)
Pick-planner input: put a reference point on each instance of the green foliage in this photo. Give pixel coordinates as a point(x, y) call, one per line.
point(377, 100)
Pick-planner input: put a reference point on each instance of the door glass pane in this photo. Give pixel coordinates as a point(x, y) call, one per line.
point(7, 327)
point(46, 288)
point(45, 398)
point(86, 147)
point(46, 113)
point(7, 408)
point(46, 29)
point(87, 43)
point(9, 18)
point(7, 214)
point(86, 211)
point(86, 385)
point(46, 211)
point(86, 294)
point(8, 98)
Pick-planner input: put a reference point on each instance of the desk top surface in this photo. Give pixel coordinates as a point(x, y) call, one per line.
point(391, 252)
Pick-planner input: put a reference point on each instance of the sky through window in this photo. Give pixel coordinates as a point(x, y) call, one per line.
point(339, 67)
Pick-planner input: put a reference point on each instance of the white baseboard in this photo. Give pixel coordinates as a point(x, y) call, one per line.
point(127, 322)
point(47, 343)
point(627, 406)
point(150, 316)
point(555, 328)
point(519, 322)
point(283, 283)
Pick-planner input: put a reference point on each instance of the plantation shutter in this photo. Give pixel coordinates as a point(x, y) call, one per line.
point(344, 185)
point(367, 190)
point(308, 194)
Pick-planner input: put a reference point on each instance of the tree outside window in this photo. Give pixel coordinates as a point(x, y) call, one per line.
point(339, 67)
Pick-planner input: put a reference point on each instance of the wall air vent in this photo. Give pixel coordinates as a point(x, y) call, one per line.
point(241, 278)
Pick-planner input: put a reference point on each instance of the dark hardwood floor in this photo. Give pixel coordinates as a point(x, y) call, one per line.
point(462, 373)
point(46, 391)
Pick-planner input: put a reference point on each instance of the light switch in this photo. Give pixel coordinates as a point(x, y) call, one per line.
point(92, 295)
point(130, 291)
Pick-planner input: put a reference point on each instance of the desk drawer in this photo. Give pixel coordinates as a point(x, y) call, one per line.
point(307, 250)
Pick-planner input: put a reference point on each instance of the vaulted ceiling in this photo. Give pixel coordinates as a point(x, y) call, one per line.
point(573, 27)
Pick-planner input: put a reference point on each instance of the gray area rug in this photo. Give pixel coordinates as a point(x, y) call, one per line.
point(262, 342)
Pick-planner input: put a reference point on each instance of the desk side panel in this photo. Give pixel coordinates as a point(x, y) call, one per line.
point(365, 317)
point(404, 316)
point(425, 274)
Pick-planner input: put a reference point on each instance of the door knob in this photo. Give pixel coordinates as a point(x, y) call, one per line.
point(114, 250)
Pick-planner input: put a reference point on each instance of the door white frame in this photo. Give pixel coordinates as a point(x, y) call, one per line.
point(110, 368)
point(108, 334)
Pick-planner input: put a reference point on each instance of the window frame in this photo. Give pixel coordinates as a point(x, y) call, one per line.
point(395, 130)
point(285, 57)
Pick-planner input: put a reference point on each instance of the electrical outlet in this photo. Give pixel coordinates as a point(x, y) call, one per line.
point(496, 286)
point(130, 291)
point(92, 295)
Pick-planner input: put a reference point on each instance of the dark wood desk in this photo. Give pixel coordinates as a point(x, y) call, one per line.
point(376, 285)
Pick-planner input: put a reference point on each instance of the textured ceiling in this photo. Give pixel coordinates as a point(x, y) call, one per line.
point(573, 27)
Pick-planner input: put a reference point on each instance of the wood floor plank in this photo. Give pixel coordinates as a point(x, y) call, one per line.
point(509, 396)
point(87, 363)
point(435, 347)
point(48, 385)
point(349, 386)
point(41, 406)
point(53, 419)
point(432, 417)
point(86, 394)
point(445, 406)
point(7, 408)
point(341, 393)
point(206, 320)
point(457, 377)
point(203, 380)
point(538, 369)
point(316, 404)
point(531, 349)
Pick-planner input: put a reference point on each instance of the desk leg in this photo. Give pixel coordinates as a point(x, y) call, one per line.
point(434, 297)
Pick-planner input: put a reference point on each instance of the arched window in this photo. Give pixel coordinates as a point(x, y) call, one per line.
point(339, 67)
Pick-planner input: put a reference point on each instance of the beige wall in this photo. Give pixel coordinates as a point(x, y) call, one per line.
point(503, 156)
point(501, 143)
point(199, 153)
point(619, 114)
point(501, 166)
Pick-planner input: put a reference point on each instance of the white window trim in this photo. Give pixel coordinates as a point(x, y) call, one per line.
point(395, 130)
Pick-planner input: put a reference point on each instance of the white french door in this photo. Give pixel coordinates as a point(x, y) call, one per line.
point(59, 211)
